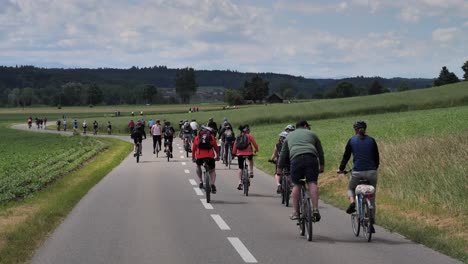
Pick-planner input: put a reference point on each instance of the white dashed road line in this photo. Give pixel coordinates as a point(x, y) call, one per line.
point(184, 163)
point(222, 225)
point(198, 191)
point(193, 182)
point(187, 171)
point(206, 205)
point(242, 250)
point(182, 157)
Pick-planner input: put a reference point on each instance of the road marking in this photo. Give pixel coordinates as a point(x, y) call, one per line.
point(182, 157)
point(242, 250)
point(222, 225)
point(198, 191)
point(193, 182)
point(186, 171)
point(206, 205)
point(183, 163)
point(181, 151)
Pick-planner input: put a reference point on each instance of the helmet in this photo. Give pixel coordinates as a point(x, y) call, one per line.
point(206, 128)
point(167, 123)
point(224, 119)
point(246, 128)
point(283, 134)
point(360, 124)
point(290, 127)
point(211, 119)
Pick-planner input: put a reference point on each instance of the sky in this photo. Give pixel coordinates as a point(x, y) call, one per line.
point(314, 39)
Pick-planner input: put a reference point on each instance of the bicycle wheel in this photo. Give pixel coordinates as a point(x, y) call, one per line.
point(207, 186)
point(283, 195)
point(168, 154)
point(138, 153)
point(229, 157)
point(355, 223)
point(246, 180)
point(286, 190)
point(301, 213)
point(308, 219)
point(366, 220)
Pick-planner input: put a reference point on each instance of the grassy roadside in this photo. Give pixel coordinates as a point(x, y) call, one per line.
point(26, 224)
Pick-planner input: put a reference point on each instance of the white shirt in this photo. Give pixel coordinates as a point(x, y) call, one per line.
point(156, 130)
point(194, 125)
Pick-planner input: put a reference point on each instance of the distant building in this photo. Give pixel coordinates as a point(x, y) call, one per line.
point(274, 98)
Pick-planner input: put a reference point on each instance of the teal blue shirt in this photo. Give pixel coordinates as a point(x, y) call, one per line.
point(301, 141)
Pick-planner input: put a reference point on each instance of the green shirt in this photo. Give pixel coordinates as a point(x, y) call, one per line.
point(300, 141)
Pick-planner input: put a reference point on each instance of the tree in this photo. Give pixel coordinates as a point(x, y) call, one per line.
point(465, 69)
point(26, 96)
point(376, 88)
point(342, 89)
point(286, 90)
point(403, 87)
point(94, 94)
point(185, 84)
point(149, 93)
point(233, 97)
point(446, 77)
point(256, 89)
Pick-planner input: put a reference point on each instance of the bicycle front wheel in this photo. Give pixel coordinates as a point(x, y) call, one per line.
point(301, 215)
point(366, 220)
point(246, 180)
point(355, 223)
point(229, 157)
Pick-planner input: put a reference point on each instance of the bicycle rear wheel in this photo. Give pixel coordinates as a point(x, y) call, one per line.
point(138, 153)
point(301, 214)
point(229, 157)
point(366, 220)
point(308, 219)
point(246, 180)
point(207, 186)
point(285, 189)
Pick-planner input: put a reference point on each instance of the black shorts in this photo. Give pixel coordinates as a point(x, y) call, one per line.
point(135, 140)
point(241, 160)
point(209, 161)
point(304, 165)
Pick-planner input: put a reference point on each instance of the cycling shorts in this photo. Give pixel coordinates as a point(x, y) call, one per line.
point(304, 165)
point(240, 159)
point(135, 140)
point(209, 161)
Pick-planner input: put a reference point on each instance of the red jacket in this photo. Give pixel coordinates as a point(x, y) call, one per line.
point(248, 151)
point(205, 153)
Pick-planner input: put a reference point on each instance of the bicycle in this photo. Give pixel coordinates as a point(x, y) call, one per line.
point(364, 193)
point(167, 149)
point(285, 185)
point(158, 148)
point(207, 182)
point(187, 146)
point(109, 131)
point(95, 131)
point(138, 151)
point(305, 218)
point(245, 177)
point(228, 155)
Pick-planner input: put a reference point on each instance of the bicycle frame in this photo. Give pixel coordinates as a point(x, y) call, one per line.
point(305, 219)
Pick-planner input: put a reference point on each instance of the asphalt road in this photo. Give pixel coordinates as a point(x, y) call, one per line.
point(153, 212)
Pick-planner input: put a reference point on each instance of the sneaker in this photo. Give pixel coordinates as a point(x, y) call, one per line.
point(279, 190)
point(239, 187)
point(154, 151)
point(351, 209)
point(251, 174)
point(294, 216)
point(316, 216)
point(213, 188)
point(171, 156)
point(200, 185)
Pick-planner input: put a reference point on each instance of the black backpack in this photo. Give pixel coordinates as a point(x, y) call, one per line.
point(242, 142)
point(205, 140)
point(168, 131)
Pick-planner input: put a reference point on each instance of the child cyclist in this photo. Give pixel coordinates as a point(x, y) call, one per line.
point(275, 156)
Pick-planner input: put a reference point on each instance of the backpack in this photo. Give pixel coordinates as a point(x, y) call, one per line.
point(168, 131)
point(228, 135)
point(187, 129)
point(205, 140)
point(242, 142)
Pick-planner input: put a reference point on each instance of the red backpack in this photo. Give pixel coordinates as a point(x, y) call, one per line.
point(204, 140)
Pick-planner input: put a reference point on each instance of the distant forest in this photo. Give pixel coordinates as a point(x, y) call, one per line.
point(29, 85)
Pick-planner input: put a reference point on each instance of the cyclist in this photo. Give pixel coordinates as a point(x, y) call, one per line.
point(131, 125)
point(187, 134)
point(58, 124)
point(365, 162)
point(181, 123)
point(243, 147)
point(304, 151)
point(45, 121)
point(150, 124)
point(29, 122)
point(95, 127)
point(156, 132)
point(275, 156)
point(205, 149)
point(141, 126)
point(227, 139)
point(85, 126)
point(214, 127)
point(64, 125)
point(168, 136)
point(109, 127)
point(137, 136)
point(194, 126)
point(75, 124)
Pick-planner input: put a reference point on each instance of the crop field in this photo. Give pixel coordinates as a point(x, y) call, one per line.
point(30, 161)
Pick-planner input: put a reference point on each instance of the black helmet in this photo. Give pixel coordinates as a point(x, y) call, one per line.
point(360, 124)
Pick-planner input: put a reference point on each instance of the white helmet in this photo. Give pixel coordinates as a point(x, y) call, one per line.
point(283, 134)
point(290, 128)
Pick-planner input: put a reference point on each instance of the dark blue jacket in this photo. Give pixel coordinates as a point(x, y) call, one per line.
point(365, 153)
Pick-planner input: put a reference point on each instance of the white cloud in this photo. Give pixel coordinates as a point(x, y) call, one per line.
point(410, 14)
point(310, 7)
point(444, 34)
